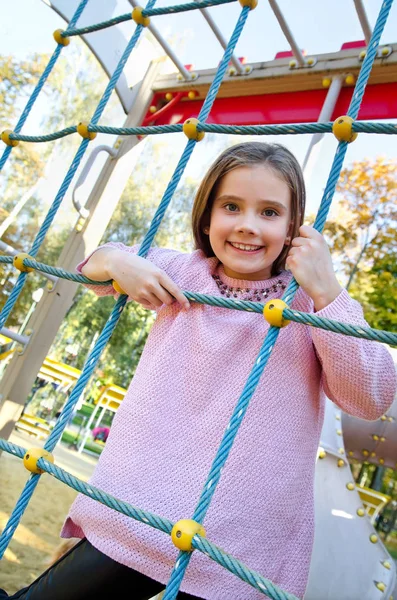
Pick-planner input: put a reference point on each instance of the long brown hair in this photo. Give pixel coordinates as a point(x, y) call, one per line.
point(275, 156)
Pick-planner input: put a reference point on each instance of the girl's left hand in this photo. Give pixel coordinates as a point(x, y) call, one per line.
point(310, 262)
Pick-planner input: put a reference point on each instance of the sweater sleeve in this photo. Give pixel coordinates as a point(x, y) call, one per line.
point(358, 375)
point(174, 263)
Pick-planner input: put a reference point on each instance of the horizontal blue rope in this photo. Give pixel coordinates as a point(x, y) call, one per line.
point(199, 543)
point(70, 31)
point(290, 129)
point(245, 305)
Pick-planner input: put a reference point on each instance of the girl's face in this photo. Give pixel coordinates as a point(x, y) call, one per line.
point(250, 221)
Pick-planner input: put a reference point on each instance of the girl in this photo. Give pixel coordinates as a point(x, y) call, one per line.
point(247, 226)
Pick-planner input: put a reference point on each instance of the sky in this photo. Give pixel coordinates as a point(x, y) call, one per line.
point(194, 43)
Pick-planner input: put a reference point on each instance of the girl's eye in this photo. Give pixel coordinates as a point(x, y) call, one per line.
point(231, 207)
point(269, 212)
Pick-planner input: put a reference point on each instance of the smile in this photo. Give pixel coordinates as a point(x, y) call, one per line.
point(245, 247)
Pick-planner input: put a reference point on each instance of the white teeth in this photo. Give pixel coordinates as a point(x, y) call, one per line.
point(244, 246)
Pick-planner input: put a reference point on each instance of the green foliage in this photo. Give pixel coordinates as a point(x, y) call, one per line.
point(363, 241)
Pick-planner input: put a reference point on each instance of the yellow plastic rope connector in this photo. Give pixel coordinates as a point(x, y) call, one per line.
point(5, 136)
point(190, 130)
point(57, 35)
point(251, 3)
point(343, 129)
point(32, 456)
point(139, 18)
point(273, 313)
point(118, 288)
point(18, 262)
point(183, 531)
point(82, 129)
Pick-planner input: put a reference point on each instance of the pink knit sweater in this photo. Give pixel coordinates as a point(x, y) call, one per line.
point(168, 428)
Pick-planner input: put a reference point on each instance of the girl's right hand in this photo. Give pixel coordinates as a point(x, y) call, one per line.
point(142, 280)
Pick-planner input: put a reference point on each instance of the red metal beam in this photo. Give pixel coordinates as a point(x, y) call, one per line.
point(380, 102)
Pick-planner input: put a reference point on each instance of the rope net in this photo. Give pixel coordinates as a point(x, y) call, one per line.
point(28, 262)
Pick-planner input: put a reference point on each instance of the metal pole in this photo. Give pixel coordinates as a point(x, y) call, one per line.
point(167, 49)
point(221, 39)
point(287, 32)
point(362, 15)
point(325, 114)
point(21, 339)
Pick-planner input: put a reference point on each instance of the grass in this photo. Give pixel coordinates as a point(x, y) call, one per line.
point(69, 438)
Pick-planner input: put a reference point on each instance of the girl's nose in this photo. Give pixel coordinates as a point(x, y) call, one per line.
point(247, 225)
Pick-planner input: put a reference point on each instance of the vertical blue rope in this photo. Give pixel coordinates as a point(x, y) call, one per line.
point(109, 327)
point(70, 174)
point(184, 557)
point(340, 153)
point(272, 335)
point(204, 112)
point(40, 83)
point(56, 433)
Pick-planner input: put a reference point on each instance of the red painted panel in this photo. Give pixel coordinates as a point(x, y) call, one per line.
point(380, 102)
point(358, 44)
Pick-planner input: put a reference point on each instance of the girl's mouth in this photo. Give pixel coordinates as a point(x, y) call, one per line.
point(245, 248)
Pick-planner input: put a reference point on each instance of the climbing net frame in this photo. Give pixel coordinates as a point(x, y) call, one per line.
point(187, 534)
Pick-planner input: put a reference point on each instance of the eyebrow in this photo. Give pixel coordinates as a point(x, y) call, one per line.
point(274, 203)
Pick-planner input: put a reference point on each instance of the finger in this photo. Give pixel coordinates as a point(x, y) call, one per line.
point(306, 231)
point(174, 290)
point(152, 299)
point(163, 295)
point(300, 241)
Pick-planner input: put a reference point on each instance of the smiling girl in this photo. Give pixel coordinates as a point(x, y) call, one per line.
point(247, 225)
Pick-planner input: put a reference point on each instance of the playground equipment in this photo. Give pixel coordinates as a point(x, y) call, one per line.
point(340, 522)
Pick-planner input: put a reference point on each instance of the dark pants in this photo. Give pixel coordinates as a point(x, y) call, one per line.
point(84, 573)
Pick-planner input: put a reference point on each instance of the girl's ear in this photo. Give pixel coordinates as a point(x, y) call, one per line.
point(206, 230)
point(289, 235)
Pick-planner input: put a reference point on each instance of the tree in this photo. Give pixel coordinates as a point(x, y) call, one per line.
point(363, 240)
point(72, 93)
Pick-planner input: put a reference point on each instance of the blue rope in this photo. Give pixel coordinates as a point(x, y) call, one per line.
point(107, 331)
point(267, 347)
point(71, 172)
point(252, 381)
point(205, 110)
point(145, 13)
point(292, 129)
point(184, 557)
point(40, 84)
point(245, 305)
point(160, 523)
point(61, 423)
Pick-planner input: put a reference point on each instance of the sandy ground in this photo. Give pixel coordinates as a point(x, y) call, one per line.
point(37, 536)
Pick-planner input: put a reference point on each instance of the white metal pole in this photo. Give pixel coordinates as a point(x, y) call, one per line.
point(287, 32)
point(167, 49)
point(325, 114)
point(362, 15)
point(87, 428)
point(221, 39)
